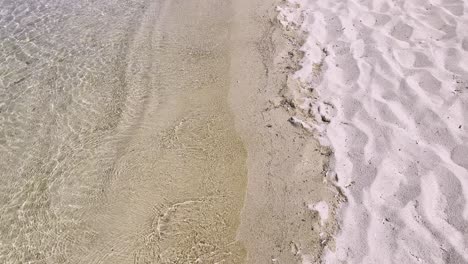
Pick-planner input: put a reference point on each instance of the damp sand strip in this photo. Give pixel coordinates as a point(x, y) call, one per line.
point(288, 213)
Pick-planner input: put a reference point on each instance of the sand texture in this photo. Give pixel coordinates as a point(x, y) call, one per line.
point(385, 84)
point(285, 217)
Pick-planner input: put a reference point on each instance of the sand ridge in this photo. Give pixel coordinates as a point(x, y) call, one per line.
point(392, 92)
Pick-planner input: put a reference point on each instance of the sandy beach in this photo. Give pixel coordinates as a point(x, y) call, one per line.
point(233, 131)
point(385, 85)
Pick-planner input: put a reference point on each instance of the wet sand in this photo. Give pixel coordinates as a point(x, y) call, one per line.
point(185, 156)
point(286, 166)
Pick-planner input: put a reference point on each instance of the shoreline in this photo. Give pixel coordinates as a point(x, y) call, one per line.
point(179, 143)
point(288, 213)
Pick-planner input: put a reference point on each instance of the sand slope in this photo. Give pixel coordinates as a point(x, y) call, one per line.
point(392, 85)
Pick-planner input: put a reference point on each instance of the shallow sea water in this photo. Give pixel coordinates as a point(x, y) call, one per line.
point(116, 144)
point(62, 92)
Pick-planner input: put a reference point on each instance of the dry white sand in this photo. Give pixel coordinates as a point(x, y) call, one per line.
point(391, 79)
